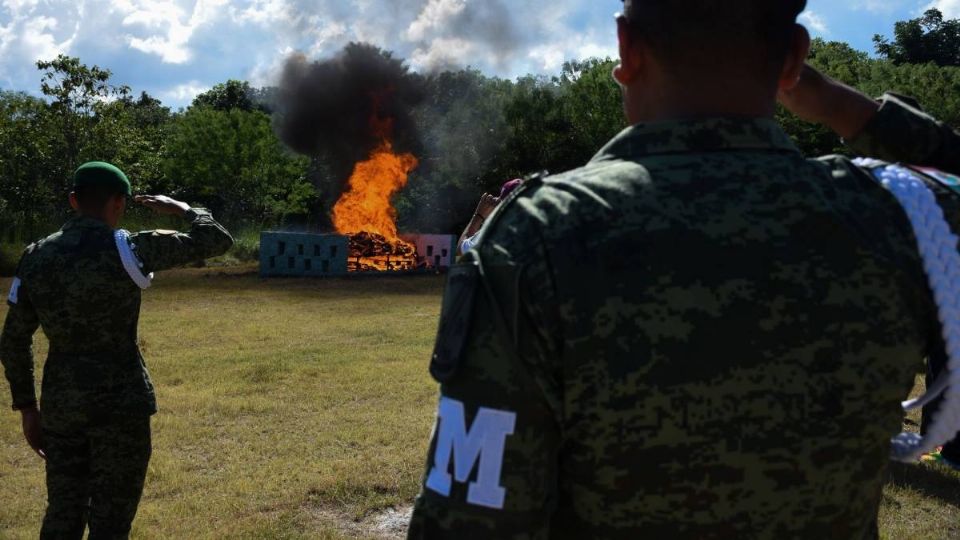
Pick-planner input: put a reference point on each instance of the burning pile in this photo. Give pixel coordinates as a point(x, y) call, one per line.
point(345, 109)
point(365, 212)
point(371, 252)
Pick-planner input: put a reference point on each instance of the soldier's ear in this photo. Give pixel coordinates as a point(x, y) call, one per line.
point(119, 204)
point(73, 201)
point(631, 55)
point(796, 58)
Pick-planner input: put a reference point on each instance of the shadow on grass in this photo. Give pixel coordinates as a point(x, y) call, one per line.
point(930, 481)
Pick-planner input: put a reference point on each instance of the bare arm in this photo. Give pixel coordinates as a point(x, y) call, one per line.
point(488, 203)
point(822, 100)
point(892, 129)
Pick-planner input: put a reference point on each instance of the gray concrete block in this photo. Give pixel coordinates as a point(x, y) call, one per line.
point(302, 255)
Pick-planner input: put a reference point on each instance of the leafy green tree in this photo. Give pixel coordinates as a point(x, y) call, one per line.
point(28, 163)
point(926, 39)
point(463, 132)
point(232, 162)
point(76, 91)
point(592, 101)
point(228, 96)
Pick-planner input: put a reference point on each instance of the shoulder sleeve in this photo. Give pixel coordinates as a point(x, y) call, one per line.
point(162, 250)
point(16, 342)
point(492, 464)
point(902, 132)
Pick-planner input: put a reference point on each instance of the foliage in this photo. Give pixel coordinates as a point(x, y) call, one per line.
point(472, 133)
point(925, 39)
point(233, 163)
point(228, 96)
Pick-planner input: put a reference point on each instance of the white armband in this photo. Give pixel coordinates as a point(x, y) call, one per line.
point(14, 295)
point(131, 263)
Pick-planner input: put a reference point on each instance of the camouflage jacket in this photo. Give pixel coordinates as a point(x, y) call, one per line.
point(700, 334)
point(74, 286)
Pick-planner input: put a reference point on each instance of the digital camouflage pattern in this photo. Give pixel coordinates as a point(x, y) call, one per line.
point(97, 396)
point(73, 284)
point(95, 476)
point(701, 334)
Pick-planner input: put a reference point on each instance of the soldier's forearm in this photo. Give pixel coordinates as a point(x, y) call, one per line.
point(818, 98)
point(851, 110)
point(19, 373)
point(16, 356)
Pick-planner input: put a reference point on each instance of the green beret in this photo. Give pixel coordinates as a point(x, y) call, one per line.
point(98, 173)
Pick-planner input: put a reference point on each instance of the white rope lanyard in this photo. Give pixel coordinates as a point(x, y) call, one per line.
point(131, 263)
point(941, 262)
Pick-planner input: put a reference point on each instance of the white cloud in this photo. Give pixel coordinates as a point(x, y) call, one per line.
point(814, 22)
point(176, 48)
point(30, 32)
point(550, 57)
point(443, 53)
point(436, 14)
point(185, 92)
point(171, 28)
point(950, 8)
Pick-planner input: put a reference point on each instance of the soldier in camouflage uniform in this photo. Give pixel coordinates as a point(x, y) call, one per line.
point(701, 333)
point(97, 397)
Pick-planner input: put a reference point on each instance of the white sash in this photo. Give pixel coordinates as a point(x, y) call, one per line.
point(131, 263)
point(941, 261)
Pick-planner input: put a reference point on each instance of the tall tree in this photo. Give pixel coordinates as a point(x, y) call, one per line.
point(232, 162)
point(926, 39)
point(228, 96)
point(76, 91)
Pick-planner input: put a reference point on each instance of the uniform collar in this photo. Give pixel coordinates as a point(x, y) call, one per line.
point(83, 222)
point(697, 136)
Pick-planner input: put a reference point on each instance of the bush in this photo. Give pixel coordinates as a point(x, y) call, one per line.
point(9, 257)
point(246, 246)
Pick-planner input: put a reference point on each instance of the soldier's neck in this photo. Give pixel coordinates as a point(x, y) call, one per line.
point(693, 99)
point(106, 220)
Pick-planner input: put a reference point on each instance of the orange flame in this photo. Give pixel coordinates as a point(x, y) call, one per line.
point(367, 206)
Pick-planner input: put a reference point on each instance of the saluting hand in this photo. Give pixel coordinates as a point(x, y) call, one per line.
point(822, 100)
point(163, 205)
point(488, 203)
point(32, 431)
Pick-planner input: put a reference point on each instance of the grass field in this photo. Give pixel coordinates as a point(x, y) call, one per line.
point(302, 409)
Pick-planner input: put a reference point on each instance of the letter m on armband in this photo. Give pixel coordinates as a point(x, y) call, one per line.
point(482, 446)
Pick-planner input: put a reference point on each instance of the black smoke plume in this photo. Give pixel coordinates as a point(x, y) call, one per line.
point(330, 109)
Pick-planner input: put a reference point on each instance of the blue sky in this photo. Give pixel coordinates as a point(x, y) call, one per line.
point(174, 49)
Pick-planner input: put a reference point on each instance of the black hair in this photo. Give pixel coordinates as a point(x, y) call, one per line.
point(716, 34)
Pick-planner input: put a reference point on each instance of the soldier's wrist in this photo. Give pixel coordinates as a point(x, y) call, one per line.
point(26, 408)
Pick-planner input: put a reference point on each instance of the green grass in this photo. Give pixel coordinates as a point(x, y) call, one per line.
point(300, 409)
point(287, 407)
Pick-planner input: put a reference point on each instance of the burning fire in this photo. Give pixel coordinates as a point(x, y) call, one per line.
point(365, 212)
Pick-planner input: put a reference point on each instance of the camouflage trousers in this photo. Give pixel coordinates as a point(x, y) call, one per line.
point(95, 476)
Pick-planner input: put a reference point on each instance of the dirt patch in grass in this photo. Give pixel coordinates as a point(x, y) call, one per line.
point(387, 524)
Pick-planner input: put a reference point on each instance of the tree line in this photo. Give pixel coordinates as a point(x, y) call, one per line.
point(476, 132)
